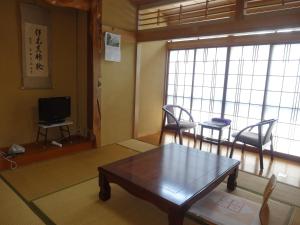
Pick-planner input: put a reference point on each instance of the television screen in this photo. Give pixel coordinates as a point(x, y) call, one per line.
point(54, 110)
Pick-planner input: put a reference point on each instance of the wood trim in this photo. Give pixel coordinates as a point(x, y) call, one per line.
point(128, 36)
point(263, 111)
point(185, 14)
point(137, 91)
point(275, 38)
point(89, 79)
point(225, 82)
point(253, 149)
point(137, 78)
point(94, 41)
point(193, 80)
point(38, 152)
point(149, 4)
point(240, 4)
point(256, 7)
point(270, 21)
point(165, 94)
point(268, 152)
point(81, 5)
point(94, 71)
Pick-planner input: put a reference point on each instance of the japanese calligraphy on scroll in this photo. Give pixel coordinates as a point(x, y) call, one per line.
point(36, 50)
point(35, 46)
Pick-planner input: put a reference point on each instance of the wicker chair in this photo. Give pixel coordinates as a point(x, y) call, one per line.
point(171, 122)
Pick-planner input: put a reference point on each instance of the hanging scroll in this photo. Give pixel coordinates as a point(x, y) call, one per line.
point(35, 47)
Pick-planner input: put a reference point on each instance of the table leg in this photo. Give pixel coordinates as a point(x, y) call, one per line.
point(69, 134)
point(105, 190)
point(212, 136)
point(46, 135)
point(38, 135)
point(176, 217)
point(231, 182)
point(62, 136)
point(201, 137)
point(219, 140)
point(229, 131)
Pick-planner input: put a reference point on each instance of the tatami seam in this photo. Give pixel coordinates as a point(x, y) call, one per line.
point(42, 216)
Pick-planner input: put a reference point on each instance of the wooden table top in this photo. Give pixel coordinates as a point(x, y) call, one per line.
point(173, 172)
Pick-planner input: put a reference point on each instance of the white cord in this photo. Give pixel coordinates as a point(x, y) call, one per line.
point(13, 164)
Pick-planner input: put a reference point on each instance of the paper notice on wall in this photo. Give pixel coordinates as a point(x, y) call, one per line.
point(112, 47)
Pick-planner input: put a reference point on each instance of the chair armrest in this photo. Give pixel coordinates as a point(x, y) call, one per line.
point(171, 114)
point(261, 138)
point(188, 113)
point(181, 109)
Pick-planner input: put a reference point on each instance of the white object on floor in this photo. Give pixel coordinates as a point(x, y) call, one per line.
point(16, 149)
point(56, 143)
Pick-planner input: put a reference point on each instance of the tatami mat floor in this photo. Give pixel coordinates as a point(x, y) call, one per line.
point(286, 171)
point(32, 186)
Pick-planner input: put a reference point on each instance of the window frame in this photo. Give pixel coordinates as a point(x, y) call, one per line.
point(229, 42)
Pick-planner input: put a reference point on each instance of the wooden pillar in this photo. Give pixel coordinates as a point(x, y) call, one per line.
point(94, 71)
point(94, 39)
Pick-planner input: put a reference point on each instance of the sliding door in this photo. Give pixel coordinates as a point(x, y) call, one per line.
point(208, 83)
point(243, 83)
point(283, 97)
point(196, 79)
point(246, 84)
point(180, 78)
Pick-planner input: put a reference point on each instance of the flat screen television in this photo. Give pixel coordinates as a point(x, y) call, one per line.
point(54, 110)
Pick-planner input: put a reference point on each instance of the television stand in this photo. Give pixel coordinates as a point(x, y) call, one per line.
point(63, 128)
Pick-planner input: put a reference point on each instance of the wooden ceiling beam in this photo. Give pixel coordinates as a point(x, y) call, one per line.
point(261, 39)
point(84, 5)
point(260, 22)
point(145, 4)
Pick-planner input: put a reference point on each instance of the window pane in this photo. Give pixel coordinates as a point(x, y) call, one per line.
point(208, 83)
point(207, 93)
point(246, 84)
point(283, 95)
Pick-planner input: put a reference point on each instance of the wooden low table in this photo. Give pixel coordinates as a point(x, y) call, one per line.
point(172, 177)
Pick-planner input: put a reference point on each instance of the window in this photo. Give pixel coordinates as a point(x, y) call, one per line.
point(283, 97)
point(180, 79)
point(246, 84)
point(196, 79)
point(208, 83)
point(242, 83)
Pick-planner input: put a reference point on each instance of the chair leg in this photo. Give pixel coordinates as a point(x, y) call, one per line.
point(201, 137)
point(243, 148)
point(180, 137)
point(195, 137)
point(232, 148)
point(161, 135)
point(272, 148)
point(261, 159)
